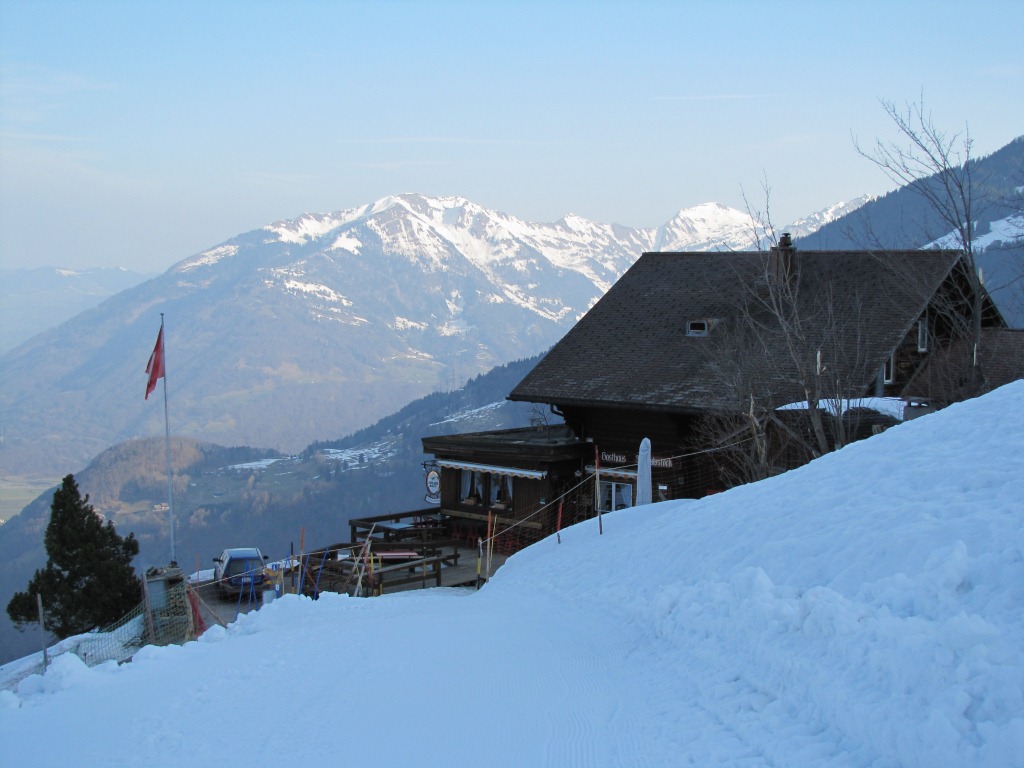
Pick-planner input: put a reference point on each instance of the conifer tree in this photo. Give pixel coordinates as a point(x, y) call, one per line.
point(88, 580)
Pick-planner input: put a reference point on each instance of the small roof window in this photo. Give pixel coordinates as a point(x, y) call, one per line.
point(698, 327)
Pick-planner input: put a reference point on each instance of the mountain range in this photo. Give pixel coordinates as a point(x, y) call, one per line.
point(314, 327)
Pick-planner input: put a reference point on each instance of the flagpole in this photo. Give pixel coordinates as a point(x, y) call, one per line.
point(167, 442)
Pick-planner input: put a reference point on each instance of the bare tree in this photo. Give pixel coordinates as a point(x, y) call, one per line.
point(737, 430)
point(812, 338)
point(538, 417)
point(790, 337)
point(939, 167)
point(770, 311)
point(762, 228)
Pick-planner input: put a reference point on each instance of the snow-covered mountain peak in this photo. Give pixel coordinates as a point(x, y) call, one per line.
point(384, 204)
point(708, 210)
point(575, 223)
point(417, 204)
point(706, 227)
point(818, 219)
point(711, 215)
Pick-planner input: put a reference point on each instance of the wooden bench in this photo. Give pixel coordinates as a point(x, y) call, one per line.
point(422, 548)
point(415, 570)
point(395, 555)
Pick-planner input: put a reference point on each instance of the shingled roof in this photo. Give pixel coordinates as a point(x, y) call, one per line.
point(632, 349)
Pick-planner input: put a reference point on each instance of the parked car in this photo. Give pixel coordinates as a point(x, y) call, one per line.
point(239, 570)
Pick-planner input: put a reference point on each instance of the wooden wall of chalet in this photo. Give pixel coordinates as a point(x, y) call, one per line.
point(527, 495)
point(670, 435)
point(622, 430)
point(449, 487)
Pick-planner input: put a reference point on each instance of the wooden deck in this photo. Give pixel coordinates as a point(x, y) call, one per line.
point(395, 566)
point(460, 571)
point(385, 571)
point(409, 550)
point(464, 573)
point(453, 572)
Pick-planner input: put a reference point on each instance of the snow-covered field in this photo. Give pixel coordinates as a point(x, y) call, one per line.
point(865, 610)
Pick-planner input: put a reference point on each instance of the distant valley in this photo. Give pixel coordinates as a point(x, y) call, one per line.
point(35, 300)
point(247, 496)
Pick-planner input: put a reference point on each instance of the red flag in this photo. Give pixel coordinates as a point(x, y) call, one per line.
point(155, 366)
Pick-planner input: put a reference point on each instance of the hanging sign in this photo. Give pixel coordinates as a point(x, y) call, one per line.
point(433, 481)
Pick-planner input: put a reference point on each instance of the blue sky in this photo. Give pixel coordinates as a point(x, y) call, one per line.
point(137, 134)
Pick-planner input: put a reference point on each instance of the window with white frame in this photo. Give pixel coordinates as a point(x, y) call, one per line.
point(922, 335)
point(485, 488)
point(472, 486)
point(613, 494)
point(501, 490)
point(889, 370)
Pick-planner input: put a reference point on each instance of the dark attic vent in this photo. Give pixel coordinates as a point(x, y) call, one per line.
point(697, 328)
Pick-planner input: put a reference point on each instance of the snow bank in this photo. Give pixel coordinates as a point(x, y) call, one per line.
point(865, 610)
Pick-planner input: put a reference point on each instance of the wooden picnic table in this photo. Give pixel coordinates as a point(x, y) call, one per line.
point(395, 524)
point(409, 531)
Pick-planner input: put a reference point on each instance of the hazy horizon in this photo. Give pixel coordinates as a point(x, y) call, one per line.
point(137, 135)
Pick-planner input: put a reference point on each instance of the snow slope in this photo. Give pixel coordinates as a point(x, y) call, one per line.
point(865, 610)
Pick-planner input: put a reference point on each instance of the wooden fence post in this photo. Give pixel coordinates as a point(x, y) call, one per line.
point(42, 629)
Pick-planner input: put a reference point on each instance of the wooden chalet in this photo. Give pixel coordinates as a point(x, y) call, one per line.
point(506, 478)
point(684, 338)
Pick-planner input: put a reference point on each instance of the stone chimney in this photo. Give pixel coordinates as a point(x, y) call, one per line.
point(782, 260)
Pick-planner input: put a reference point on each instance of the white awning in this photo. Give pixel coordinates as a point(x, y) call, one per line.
point(530, 474)
point(626, 474)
